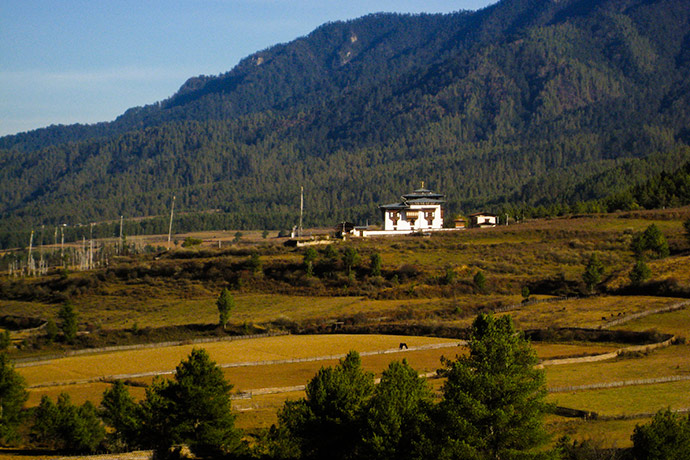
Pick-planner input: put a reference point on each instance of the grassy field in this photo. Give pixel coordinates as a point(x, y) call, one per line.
point(254, 377)
point(180, 288)
point(676, 323)
point(661, 363)
point(240, 351)
point(628, 401)
point(602, 433)
point(592, 312)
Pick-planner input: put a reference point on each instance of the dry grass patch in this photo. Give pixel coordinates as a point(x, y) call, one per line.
point(603, 433)
point(590, 312)
point(571, 350)
point(261, 411)
point(674, 360)
point(677, 267)
point(675, 322)
point(239, 351)
point(671, 267)
point(627, 401)
point(78, 393)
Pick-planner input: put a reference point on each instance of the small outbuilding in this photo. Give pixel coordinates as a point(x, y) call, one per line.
point(483, 220)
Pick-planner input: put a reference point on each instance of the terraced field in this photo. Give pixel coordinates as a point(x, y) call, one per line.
point(179, 289)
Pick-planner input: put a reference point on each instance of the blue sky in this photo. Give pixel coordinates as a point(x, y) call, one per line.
point(84, 61)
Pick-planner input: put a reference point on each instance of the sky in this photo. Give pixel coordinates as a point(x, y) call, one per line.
point(86, 61)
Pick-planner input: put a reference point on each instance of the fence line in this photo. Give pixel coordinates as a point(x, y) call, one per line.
point(622, 383)
point(39, 360)
point(642, 314)
point(111, 378)
point(607, 356)
point(517, 306)
point(248, 394)
point(590, 415)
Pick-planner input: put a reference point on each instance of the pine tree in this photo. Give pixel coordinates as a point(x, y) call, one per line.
point(666, 437)
point(594, 270)
point(327, 422)
point(479, 281)
point(375, 264)
point(13, 395)
point(225, 303)
point(640, 273)
point(119, 411)
point(398, 414)
point(193, 409)
point(68, 321)
point(494, 398)
point(350, 259)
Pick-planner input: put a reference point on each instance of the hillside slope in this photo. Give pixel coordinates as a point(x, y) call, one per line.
point(522, 102)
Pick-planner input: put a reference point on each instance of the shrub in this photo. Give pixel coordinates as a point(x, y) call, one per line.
point(666, 437)
point(68, 322)
point(640, 273)
point(190, 242)
point(479, 281)
point(68, 427)
point(593, 272)
point(651, 242)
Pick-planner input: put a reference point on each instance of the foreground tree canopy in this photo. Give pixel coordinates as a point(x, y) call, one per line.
point(493, 399)
point(13, 395)
point(192, 409)
point(492, 406)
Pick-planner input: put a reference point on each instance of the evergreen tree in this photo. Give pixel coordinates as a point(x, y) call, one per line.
point(494, 398)
point(594, 270)
point(225, 303)
point(375, 264)
point(686, 226)
point(13, 395)
point(119, 411)
point(68, 321)
point(651, 242)
point(666, 437)
point(398, 415)
point(67, 426)
point(310, 256)
point(640, 273)
point(350, 259)
point(193, 409)
point(52, 330)
point(327, 422)
point(255, 263)
point(479, 281)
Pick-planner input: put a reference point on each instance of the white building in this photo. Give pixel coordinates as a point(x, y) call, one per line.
point(483, 220)
point(418, 211)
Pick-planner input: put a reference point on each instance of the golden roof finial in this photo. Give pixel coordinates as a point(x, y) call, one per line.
point(422, 184)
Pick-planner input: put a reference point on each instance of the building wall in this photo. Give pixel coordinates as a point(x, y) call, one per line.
point(404, 222)
point(480, 220)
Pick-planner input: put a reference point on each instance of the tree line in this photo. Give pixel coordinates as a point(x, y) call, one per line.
point(498, 107)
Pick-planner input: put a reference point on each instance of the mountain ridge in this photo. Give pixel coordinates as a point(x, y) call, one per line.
point(478, 104)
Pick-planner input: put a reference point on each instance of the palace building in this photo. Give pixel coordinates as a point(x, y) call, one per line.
point(420, 210)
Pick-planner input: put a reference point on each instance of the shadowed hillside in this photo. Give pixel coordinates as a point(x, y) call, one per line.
point(524, 102)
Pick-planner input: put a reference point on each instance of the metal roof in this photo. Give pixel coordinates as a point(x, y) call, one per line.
point(425, 201)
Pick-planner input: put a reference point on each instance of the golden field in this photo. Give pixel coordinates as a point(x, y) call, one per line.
point(180, 289)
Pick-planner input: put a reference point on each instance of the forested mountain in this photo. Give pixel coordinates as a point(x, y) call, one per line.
point(524, 102)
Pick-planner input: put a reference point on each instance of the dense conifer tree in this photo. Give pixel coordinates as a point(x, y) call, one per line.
point(494, 398)
point(13, 395)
